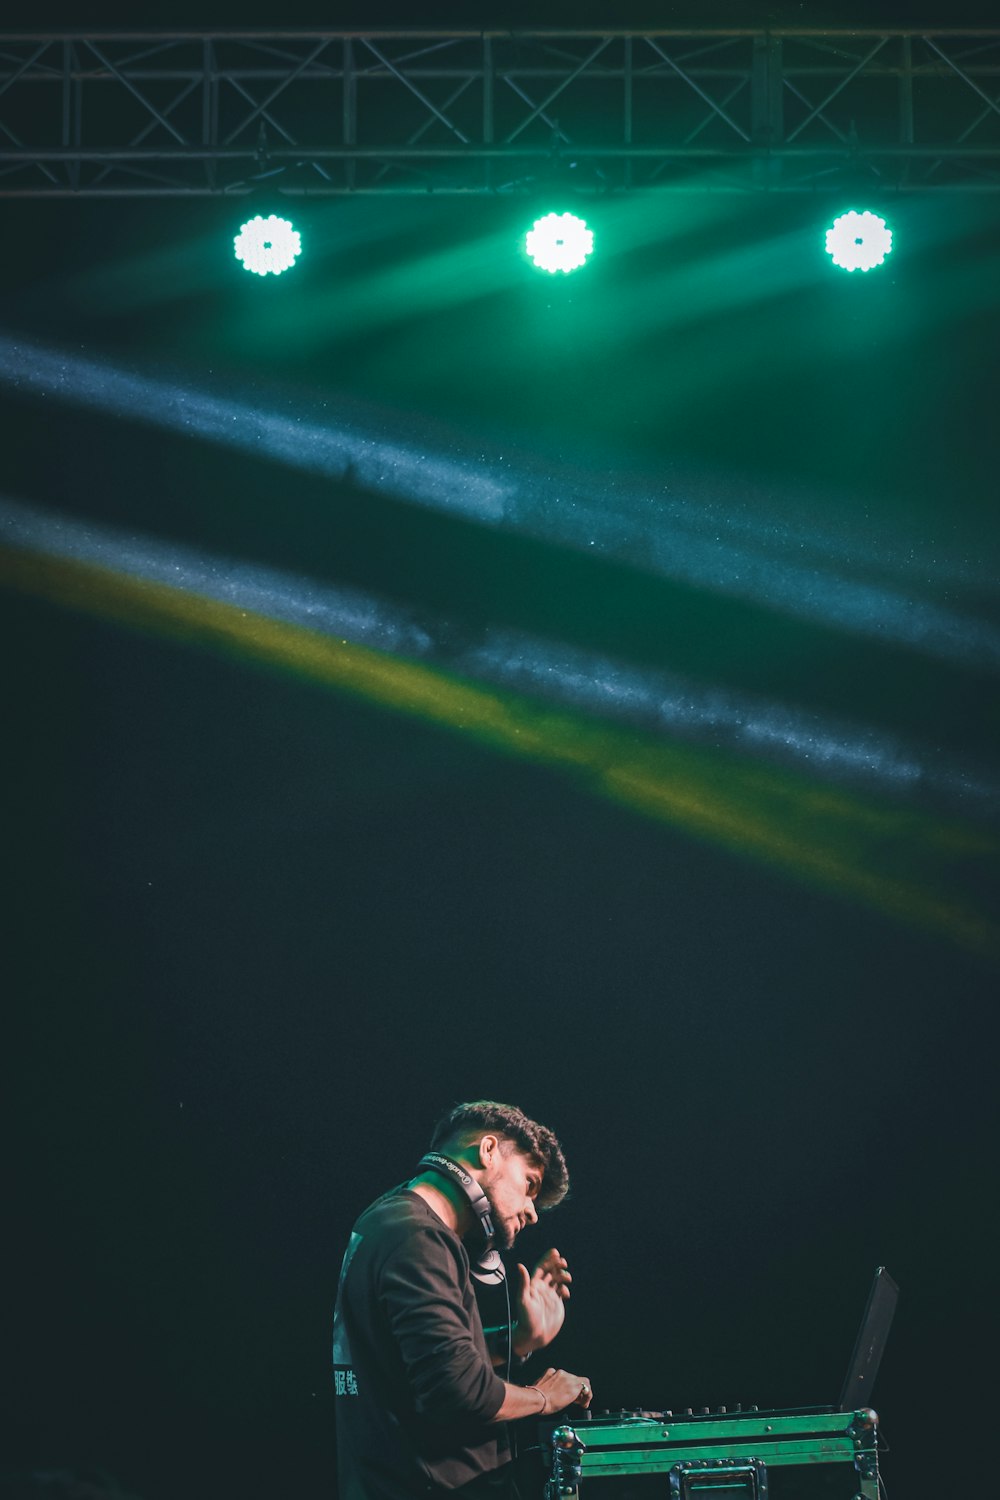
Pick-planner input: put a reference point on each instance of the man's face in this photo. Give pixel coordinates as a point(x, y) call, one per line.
point(511, 1182)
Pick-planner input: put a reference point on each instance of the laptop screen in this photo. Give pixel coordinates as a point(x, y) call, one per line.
point(870, 1343)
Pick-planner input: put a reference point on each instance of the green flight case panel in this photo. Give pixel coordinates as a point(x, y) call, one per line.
point(795, 1455)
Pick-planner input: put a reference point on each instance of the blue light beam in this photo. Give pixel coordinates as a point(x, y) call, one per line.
point(653, 530)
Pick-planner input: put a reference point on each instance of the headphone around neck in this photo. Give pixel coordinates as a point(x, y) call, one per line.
point(489, 1268)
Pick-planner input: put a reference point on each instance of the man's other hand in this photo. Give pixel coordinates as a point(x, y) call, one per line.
point(561, 1389)
point(541, 1299)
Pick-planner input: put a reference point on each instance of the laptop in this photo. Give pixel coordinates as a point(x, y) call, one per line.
point(870, 1343)
point(866, 1357)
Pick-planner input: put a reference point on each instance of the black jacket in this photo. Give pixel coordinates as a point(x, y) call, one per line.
point(414, 1386)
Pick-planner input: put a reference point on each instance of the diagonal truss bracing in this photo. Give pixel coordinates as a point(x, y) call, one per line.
point(199, 113)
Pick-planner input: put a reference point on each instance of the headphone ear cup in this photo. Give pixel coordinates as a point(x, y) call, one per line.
point(489, 1268)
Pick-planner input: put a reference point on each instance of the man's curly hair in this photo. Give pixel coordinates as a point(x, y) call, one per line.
point(465, 1122)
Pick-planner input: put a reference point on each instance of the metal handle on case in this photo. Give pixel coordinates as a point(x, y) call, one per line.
point(689, 1479)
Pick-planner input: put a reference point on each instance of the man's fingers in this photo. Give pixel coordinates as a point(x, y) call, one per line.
point(549, 1259)
point(524, 1278)
point(553, 1267)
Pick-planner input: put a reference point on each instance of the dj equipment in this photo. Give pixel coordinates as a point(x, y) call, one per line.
point(815, 1453)
point(488, 1268)
point(749, 1455)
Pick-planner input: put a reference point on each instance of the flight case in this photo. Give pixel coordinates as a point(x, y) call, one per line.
point(793, 1455)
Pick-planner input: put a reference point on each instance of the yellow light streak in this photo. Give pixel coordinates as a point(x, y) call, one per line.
point(907, 864)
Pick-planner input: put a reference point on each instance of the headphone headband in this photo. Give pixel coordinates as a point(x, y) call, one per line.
point(489, 1268)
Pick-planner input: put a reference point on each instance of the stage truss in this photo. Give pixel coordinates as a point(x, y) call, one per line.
point(189, 114)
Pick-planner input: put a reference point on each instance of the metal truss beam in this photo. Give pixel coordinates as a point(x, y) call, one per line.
point(188, 114)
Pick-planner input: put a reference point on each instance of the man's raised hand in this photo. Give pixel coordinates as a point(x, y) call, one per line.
point(541, 1298)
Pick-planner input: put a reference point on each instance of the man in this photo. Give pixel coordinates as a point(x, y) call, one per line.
point(420, 1407)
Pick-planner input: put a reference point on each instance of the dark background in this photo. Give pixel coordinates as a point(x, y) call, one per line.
point(260, 934)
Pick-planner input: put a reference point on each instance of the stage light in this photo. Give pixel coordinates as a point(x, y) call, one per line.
point(858, 242)
point(559, 242)
point(267, 246)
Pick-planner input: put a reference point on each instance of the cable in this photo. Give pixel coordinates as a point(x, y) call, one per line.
point(510, 1329)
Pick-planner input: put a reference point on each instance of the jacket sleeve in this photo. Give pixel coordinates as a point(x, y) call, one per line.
point(449, 1373)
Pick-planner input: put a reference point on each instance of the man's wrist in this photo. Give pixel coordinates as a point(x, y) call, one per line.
point(521, 1343)
point(503, 1344)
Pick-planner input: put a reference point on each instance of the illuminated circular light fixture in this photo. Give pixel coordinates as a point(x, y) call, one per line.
point(858, 242)
point(559, 242)
point(267, 246)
